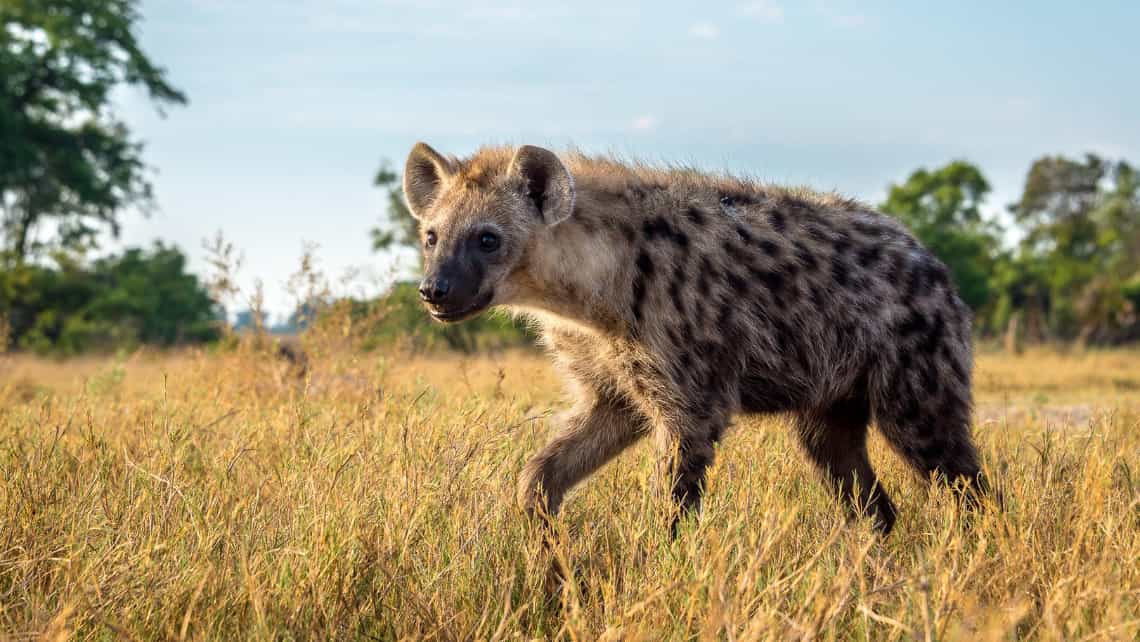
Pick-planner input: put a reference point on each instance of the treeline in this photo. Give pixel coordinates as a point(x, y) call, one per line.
point(1064, 266)
point(120, 301)
point(398, 320)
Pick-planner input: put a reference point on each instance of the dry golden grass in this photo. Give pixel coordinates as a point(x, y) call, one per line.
point(197, 495)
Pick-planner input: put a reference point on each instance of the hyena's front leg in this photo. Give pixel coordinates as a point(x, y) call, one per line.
point(687, 445)
point(689, 413)
point(591, 435)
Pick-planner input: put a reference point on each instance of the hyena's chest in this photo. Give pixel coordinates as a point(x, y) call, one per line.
point(620, 366)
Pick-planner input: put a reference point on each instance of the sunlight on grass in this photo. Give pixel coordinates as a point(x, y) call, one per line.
point(197, 495)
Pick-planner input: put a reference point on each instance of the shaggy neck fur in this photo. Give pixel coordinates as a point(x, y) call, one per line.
point(573, 273)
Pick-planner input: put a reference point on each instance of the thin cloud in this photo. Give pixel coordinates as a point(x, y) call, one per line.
point(645, 123)
point(704, 31)
point(763, 11)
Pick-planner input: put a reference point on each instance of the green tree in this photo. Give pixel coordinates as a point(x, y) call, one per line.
point(1082, 224)
point(399, 228)
point(64, 156)
point(1117, 218)
point(1022, 299)
point(1056, 205)
point(943, 209)
point(138, 296)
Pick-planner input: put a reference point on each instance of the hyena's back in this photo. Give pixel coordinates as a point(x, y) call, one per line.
point(833, 311)
point(849, 311)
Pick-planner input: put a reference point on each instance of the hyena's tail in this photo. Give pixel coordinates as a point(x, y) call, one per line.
point(922, 404)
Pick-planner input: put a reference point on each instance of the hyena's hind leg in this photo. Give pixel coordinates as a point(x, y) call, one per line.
point(835, 440)
point(927, 421)
point(590, 436)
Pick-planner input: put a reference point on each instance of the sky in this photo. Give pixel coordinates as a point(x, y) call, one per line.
point(294, 104)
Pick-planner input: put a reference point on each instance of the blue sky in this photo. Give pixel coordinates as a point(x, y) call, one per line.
point(294, 104)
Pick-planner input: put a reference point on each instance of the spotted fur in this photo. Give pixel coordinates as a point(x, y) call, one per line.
point(674, 300)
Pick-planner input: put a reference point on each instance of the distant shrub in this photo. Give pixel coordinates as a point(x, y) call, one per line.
point(398, 320)
point(136, 297)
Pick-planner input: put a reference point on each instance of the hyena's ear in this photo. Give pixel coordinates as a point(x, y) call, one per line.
point(545, 182)
point(424, 176)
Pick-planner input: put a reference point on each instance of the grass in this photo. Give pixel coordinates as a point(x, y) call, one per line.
point(203, 496)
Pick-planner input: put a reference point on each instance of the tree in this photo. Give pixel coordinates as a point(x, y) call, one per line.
point(1056, 205)
point(400, 228)
point(1082, 231)
point(1117, 218)
point(1056, 211)
point(943, 209)
point(120, 300)
point(64, 156)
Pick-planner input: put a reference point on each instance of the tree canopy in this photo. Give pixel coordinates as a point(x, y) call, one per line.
point(1075, 273)
point(64, 155)
point(399, 227)
point(1081, 221)
point(943, 209)
point(139, 296)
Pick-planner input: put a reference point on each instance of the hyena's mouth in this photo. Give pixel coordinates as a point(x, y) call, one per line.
point(459, 314)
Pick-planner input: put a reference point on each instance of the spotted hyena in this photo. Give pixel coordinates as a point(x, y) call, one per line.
point(674, 299)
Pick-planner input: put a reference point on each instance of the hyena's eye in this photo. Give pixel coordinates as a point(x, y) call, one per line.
point(430, 239)
point(488, 242)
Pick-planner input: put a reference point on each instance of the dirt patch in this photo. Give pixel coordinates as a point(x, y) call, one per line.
point(1052, 415)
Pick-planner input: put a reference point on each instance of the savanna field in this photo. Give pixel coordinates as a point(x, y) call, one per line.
point(209, 494)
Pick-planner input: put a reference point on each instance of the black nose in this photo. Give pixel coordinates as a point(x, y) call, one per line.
point(435, 290)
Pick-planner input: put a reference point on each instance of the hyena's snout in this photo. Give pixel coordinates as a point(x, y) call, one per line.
point(435, 290)
point(454, 294)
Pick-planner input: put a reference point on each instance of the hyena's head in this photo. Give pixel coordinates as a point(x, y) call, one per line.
point(477, 220)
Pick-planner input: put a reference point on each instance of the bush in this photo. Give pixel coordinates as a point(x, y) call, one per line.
point(123, 300)
point(398, 319)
